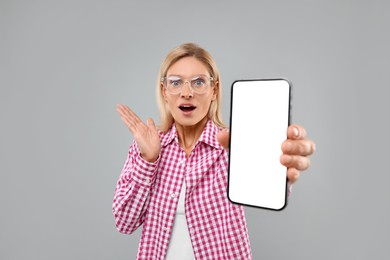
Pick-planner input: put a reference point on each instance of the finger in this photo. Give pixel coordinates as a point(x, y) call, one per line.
point(298, 147)
point(133, 116)
point(126, 118)
point(123, 112)
point(122, 109)
point(292, 175)
point(126, 112)
point(301, 163)
point(151, 125)
point(223, 138)
point(130, 119)
point(129, 124)
point(296, 132)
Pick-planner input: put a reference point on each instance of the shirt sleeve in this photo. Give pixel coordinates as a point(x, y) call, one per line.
point(132, 191)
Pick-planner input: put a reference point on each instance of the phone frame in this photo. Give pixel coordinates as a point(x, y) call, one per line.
point(231, 128)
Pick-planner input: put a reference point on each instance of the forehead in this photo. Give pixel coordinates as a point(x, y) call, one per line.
point(187, 67)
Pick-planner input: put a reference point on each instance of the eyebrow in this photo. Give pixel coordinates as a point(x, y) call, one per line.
point(194, 76)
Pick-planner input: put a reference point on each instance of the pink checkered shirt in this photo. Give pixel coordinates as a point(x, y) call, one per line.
point(148, 194)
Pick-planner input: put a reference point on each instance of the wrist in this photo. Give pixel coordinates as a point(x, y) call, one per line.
point(148, 158)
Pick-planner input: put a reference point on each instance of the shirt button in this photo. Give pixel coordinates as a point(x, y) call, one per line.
point(147, 180)
point(165, 228)
point(173, 195)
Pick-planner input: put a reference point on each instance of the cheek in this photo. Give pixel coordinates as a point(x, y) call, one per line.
point(211, 99)
point(207, 104)
point(169, 103)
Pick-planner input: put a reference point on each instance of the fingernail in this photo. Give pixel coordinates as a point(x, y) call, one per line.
point(295, 132)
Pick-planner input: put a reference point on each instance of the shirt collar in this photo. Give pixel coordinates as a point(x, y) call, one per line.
point(208, 136)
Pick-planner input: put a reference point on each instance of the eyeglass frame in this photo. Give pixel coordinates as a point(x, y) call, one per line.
point(163, 80)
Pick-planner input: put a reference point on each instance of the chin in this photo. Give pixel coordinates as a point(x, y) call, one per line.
point(189, 121)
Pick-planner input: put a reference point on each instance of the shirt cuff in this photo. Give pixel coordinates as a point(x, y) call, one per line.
point(144, 171)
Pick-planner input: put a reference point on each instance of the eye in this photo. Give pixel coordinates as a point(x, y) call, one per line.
point(198, 82)
point(175, 82)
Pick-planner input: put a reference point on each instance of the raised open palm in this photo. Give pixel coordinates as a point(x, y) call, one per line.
point(146, 136)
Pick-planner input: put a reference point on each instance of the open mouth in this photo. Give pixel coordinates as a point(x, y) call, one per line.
point(187, 108)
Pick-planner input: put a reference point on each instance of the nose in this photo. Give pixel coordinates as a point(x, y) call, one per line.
point(186, 90)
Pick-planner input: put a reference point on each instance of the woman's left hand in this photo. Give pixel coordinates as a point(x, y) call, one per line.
point(296, 151)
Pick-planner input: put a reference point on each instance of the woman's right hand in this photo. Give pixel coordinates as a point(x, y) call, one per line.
point(146, 136)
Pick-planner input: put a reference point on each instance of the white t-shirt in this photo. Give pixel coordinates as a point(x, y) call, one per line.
point(180, 246)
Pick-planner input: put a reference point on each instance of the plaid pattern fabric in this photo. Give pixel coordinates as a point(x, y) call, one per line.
point(147, 194)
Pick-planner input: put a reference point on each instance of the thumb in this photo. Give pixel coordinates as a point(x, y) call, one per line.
point(223, 138)
point(151, 125)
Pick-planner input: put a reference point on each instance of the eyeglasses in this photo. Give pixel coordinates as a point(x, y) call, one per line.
point(199, 84)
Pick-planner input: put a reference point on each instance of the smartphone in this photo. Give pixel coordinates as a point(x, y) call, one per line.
point(259, 118)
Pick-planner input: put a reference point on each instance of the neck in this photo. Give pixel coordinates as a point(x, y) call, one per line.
point(188, 135)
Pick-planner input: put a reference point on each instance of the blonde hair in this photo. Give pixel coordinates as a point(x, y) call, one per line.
point(182, 51)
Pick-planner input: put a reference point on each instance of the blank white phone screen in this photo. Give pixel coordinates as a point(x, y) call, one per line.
point(260, 111)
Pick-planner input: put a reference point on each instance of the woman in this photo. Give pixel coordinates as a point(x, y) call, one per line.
point(175, 178)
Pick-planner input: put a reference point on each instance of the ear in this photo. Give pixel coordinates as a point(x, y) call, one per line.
point(163, 91)
point(215, 91)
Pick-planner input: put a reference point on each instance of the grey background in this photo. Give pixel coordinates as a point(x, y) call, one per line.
point(65, 65)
